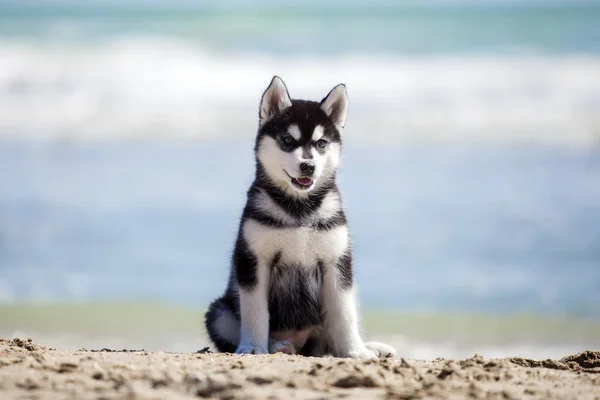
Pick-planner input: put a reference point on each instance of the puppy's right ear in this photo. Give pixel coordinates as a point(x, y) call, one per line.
point(274, 100)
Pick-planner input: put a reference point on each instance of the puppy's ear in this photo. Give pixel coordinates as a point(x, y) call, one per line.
point(274, 100)
point(335, 105)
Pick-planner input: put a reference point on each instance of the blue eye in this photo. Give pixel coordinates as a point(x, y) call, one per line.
point(321, 143)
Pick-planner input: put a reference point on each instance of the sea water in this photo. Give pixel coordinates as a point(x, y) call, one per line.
point(471, 172)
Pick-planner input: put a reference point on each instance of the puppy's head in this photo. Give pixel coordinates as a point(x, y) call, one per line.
point(299, 142)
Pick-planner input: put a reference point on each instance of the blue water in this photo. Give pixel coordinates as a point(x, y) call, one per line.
point(462, 227)
point(472, 169)
point(324, 27)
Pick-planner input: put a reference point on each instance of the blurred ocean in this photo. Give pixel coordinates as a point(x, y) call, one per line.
point(462, 228)
point(472, 165)
point(422, 71)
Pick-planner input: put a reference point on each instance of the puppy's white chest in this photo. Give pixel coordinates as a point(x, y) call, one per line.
point(302, 245)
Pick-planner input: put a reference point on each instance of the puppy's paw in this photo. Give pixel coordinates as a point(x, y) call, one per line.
point(382, 350)
point(362, 353)
point(250, 349)
point(282, 346)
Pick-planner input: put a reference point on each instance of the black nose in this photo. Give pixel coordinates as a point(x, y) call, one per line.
point(307, 168)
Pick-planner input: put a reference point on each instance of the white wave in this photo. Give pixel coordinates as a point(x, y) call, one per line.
point(148, 87)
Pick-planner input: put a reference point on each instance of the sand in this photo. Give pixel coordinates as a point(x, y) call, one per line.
point(31, 371)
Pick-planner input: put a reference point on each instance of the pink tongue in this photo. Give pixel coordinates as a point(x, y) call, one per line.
point(304, 181)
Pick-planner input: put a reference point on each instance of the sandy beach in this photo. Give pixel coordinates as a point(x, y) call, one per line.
point(31, 371)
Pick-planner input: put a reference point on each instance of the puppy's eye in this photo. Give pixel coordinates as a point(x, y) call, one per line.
point(321, 143)
point(287, 139)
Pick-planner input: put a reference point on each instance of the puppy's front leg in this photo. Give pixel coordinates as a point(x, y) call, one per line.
point(340, 310)
point(253, 285)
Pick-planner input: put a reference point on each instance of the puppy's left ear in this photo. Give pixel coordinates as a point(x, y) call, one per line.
point(335, 105)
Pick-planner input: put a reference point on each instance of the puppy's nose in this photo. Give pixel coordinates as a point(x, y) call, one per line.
point(307, 168)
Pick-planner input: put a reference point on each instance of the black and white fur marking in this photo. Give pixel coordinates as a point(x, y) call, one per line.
point(291, 287)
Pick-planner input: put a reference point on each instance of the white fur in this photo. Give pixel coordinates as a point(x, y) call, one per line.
point(342, 319)
point(329, 207)
point(303, 245)
point(317, 133)
point(227, 326)
point(294, 130)
point(275, 161)
point(254, 313)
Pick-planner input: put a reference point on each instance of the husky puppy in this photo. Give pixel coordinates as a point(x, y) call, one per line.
point(291, 287)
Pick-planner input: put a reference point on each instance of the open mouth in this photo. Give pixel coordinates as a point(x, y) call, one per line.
point(302, 182)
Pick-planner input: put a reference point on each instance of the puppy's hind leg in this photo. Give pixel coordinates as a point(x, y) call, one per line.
point(223, 326)
point(315, 346)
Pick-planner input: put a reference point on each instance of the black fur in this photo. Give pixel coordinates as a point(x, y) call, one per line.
point(294, 297)
point(215, 311)
point(344, 266)
point(338, 219)
point(245, 263)
point(294, 306)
